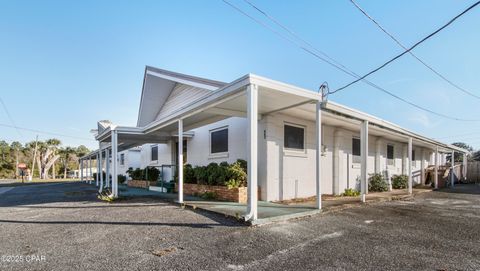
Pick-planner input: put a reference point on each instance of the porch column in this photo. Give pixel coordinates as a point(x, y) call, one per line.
point(378, 155)
point(409, 166)
point(436, 168)
point(100, 162)
point(252, 140)
point(107, 167)
point(364, 156)
point(452, 171)
point(422, 164)
point(318, 164)
point(81, 169)
point(465, 164)
point(90, 169)
point(405, 160)
point(114, 164)
point(337, 158)
point(180, 161)
point(98, 169)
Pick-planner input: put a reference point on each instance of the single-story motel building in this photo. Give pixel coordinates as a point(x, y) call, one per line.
point(296, 143)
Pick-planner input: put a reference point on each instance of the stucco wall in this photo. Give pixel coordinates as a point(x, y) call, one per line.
point(198, 148)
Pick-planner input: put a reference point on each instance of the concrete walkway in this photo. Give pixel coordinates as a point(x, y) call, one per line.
point(269, 212)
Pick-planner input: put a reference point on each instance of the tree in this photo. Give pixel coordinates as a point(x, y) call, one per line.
point(16, 147)
point(458, 156)
point(66, 154)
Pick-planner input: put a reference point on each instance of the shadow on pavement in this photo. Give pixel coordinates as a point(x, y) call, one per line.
point(473, 189)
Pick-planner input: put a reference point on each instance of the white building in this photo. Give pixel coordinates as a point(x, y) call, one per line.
point(296, 144)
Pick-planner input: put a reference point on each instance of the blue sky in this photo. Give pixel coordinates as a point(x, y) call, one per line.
point(66, 64)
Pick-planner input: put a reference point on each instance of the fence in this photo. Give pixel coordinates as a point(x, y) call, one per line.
point(473, 172)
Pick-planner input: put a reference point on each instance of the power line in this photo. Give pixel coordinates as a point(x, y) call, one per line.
point(472, 133)
point(44, 132)
point(9, 116)
point(338, 65)
point(409, 49)
point(411, 53)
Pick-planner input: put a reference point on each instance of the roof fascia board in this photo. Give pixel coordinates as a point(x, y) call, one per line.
point(284, 87)
point(182, 81)
point(375, 120)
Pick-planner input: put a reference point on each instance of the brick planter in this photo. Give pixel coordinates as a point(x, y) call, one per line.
point(140, 183)
point(223, 193)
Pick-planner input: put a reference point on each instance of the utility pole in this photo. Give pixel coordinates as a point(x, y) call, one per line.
point(34, 156)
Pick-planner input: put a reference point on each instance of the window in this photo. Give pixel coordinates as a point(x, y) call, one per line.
point(219, 140)
point(356, 151)
point(390, 155)
point(154, 153)
point(294, 137)
point(414, 160)
point(122, 159)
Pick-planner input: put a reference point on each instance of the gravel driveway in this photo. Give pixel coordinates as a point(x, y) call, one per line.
point(64, 227)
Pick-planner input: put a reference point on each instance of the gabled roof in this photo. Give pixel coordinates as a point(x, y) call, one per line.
point(157, 86)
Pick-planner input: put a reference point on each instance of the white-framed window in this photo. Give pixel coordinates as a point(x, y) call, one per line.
point(154, 153)
point(390, 155)
point(122, 159)
point(219, 141)
point(293, 137)
point(356, 150)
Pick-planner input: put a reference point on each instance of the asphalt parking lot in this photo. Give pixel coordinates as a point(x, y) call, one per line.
point(64, 227)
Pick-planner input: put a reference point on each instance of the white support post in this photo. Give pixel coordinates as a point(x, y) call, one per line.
point(252, 141)
point(452, 171)
point(98, 169)
point(114, 164)
point(318, 164)
point(107, 167)
point(465, 165)
point(81, 169)
point(100, 163)
point(364, 160)
point(422, 164)
point(436, 168)
point(409, 166)
point(90, 170)
point(180, 161)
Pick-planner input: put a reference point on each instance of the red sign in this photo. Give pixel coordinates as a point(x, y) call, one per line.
point(22, 166)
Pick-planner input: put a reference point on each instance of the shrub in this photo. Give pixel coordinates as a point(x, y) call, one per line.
point(232, 183)
point(152, 174)
point(121, 178)
point(135, 174)
point(189, 174)
point(236, 172)
point(209, 195)
point(399, 181)
point(243, 164)
point(214, 173)
point(377, 183)
point(350, 192)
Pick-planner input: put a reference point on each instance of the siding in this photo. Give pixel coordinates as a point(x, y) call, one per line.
point(181, 96)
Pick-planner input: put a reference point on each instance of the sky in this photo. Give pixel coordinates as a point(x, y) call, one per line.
point(64, 65)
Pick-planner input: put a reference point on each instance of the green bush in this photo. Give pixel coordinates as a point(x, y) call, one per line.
point(224, 174)
point(189, 174)
point(152, 174)
point(135, 174)
point(350, 192)
point(399, 181)
point(377, 183)
point(121, 178)
point(209, 195)
point(243, 164)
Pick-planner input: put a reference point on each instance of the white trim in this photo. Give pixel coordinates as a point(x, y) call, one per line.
point(181, 81)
